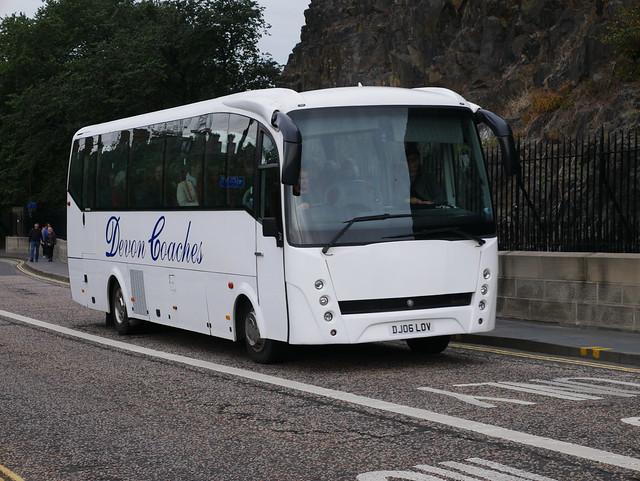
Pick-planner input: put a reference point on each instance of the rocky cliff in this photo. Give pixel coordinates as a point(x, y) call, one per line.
point(541, 63)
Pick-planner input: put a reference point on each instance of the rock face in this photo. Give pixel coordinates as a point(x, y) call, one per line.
point(540, 62)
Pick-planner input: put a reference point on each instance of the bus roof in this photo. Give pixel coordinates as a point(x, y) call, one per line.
point(264, 103)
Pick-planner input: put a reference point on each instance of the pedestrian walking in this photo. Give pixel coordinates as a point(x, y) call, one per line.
point(43, 236)
point(34, 242)
point(50, 242)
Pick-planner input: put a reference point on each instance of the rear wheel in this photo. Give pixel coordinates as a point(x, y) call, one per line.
point(119, 314)
point(261, 350)
point(429, 345)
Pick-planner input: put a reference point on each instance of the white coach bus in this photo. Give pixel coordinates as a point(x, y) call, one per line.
point(271, 217)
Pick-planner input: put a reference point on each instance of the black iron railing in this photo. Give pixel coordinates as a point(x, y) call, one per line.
point(572, 195)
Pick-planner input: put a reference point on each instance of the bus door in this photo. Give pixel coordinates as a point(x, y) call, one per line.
point(88, 156)
point(269, 250)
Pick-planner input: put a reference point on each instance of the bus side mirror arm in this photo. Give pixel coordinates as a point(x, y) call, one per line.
point(292, 147)
point(504, 134)
point(270, 229)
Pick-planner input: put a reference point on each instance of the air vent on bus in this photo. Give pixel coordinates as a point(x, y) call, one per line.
point(137, 292)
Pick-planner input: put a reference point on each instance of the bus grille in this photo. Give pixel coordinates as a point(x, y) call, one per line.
point(139, 300)
point(405, 303)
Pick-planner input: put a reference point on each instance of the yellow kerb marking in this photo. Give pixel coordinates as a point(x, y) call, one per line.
point(11, 475)
point(584, 351)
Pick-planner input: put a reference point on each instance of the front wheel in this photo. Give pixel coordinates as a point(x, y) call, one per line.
point(119, 316)
point(261, 350)
point(428, 345)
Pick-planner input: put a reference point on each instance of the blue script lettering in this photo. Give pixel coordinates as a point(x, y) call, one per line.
point(174, 251)
point(122, 247)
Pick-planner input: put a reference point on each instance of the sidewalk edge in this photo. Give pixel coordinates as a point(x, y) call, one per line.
point(612, 357)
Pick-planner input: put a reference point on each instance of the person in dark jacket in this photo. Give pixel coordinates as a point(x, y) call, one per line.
point(34, 243)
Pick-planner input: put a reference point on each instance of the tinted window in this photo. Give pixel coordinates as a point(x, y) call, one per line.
point(145, 170)
point(241, 148)
point(203, 161)
point(215, 161)
point(112, 170)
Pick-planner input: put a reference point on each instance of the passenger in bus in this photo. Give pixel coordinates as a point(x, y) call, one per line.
point(349, 169)
point(425, 189)
point(148, 193)
point(119, 193)
point(307, 196)
point(187, 192)
point(172, 179)
point(302, 190)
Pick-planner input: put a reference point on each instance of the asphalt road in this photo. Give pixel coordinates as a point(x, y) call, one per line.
point(79, 402)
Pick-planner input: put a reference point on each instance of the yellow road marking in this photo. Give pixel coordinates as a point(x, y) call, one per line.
point(541, 357)
point(11, 475)
point(584, 351)
point(21, 268)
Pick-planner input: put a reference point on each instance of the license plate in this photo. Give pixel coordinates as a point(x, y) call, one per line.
point(405, 328)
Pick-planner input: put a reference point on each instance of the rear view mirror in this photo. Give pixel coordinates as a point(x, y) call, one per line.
point(292, 147)
point(504, 134)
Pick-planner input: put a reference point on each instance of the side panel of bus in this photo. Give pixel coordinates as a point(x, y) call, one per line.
point(188, 274)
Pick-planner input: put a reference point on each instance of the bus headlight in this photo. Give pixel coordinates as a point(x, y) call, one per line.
point(484, 289)
point(486, 273)
point(328, 316)
point(319, 284)
point(324, 300)
point(482, 305)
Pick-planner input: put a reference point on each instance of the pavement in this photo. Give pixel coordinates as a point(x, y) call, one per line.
point(587, 343)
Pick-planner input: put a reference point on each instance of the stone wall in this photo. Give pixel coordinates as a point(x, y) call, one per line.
point(19, 247)
point(577, 289)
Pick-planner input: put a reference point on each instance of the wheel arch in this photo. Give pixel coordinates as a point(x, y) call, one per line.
point(242, 306)
point(116, 277)
point(245, 300)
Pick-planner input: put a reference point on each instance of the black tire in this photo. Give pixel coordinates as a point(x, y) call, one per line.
point(429, 345)
point(108, 318)
point(120, 317)
point(260, 350)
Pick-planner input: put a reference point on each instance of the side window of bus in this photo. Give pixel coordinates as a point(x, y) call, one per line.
point(189, 192)
point(89, 172)
point(215, 161)
point(174, 169)
point(145, 170)
point(241, 149)
point(76, 170)
point(269, 178)
point(112, 170)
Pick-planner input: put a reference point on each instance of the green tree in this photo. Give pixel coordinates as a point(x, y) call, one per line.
point(624, 35)
point(80, 62)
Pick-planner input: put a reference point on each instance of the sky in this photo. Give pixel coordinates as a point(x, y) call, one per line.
point(286, 18)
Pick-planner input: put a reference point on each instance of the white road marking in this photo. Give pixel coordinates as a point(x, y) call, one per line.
point(591, 454)
point(632, 421)
point(509, 469)
point(483, 472)
point(476, 400)
point(533, 389)
point(490, 470)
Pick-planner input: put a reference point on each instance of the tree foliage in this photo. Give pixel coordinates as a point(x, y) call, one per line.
point(80, 62)
point(624, 34)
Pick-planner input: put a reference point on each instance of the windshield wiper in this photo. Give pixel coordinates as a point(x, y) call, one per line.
point(367, 218)
point(448, 230)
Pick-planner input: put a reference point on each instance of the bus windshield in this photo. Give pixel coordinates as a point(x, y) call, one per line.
point(381, 174)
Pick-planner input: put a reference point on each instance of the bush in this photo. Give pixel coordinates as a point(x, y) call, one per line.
point(624, 35)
